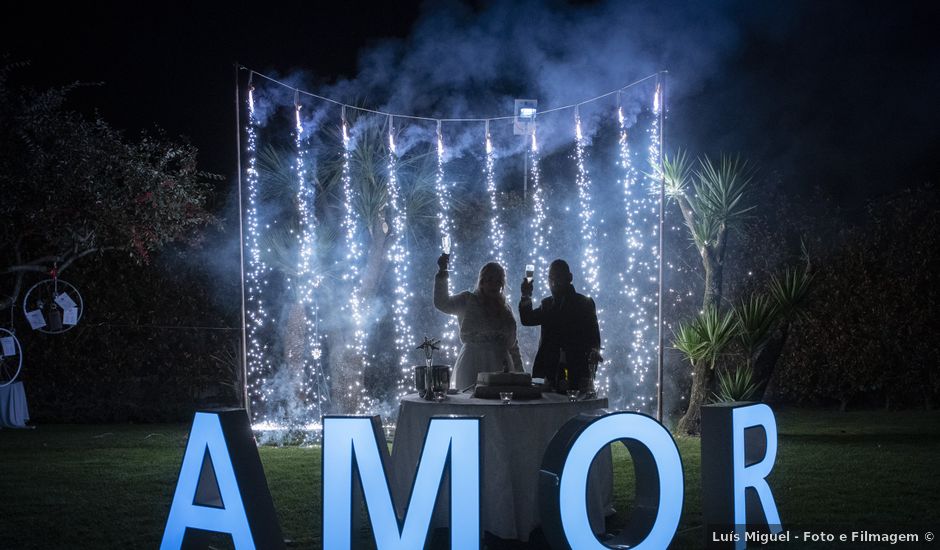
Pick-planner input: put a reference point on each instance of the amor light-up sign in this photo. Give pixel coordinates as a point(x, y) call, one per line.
point(657, 470)
point(221, 487)
point(355, 446)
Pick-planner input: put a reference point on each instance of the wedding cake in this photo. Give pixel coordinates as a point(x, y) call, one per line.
point(491, 384)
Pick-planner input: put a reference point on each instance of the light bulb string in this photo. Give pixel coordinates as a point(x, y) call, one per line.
point(344, 106)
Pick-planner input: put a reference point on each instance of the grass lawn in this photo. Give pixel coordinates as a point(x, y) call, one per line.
point(109, 486)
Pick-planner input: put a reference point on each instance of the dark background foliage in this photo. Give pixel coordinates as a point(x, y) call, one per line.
point(870, 338)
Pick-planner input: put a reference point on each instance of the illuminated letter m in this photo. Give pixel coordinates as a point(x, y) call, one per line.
point(356, 444)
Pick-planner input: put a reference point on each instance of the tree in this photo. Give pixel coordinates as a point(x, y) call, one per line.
point(702, 341)
point(757, 326)
point(870, 331)
point(712, 201)
point(75, 187)
point(713, 206)
point(789, 293)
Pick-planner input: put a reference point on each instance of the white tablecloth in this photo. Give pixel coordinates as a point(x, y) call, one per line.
point(515, 437)
point(13, 411)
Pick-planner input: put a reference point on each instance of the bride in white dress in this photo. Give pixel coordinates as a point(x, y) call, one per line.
point(487, 327)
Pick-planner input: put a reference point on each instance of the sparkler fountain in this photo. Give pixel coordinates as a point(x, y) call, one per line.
point(629, 310)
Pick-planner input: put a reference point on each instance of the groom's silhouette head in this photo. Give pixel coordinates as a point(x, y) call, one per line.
point(559, 276)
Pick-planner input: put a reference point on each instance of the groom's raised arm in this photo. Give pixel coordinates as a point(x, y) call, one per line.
point(527, 316)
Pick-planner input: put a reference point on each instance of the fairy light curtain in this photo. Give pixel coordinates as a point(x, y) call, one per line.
point(338, 270)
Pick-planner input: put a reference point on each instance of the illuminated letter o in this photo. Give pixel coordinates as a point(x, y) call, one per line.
point(564, 476)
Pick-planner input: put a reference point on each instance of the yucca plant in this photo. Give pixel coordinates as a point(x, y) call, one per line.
point(369, 177)
point(717, 329)
point(703, 341)
point(790, 291)
point(720, 189)
point(676, 171)
point(735, 384)
point(713, 200)
point(689, 340)
point(755, 319)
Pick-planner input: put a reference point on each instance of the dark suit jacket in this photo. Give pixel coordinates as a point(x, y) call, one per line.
point(568, 323)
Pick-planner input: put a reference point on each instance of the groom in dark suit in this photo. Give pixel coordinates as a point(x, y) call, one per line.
point(570, 339)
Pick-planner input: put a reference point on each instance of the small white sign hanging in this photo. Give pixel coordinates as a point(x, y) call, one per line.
point(70, 316)
point(35, 318)
point(9, 346)
point(65, 301)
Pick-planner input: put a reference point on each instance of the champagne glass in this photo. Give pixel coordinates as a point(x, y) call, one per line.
point(445, 244)
point(529, 273)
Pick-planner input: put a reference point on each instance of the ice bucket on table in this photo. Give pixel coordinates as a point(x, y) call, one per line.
point(421, 380)
point(439, 379)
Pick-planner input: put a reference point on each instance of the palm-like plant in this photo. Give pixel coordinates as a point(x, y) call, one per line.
point(715, 204)
point(790, 291)
point(676, 171)
point(277, 174)
point(720, 190)
point(735, 385)
point(703, 341)
point(280, 192)
point(717, 329)
point(369, 177)
point(368, 171)
point(755, 318)
point(688, 339)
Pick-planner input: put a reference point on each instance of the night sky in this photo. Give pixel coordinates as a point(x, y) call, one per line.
point(841, 95)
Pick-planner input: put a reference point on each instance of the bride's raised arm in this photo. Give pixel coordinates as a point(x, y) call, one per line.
point(442, 298)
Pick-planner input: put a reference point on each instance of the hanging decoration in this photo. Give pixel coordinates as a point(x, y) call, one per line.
point(589, 262)
point(399, 257)
point(540, 227)
point(356, 307)
point(639, 270)
point(53, 306)
point(641, 400)
point(11, 357)
point(448, 244)
point(497, 234)
point(309, 379)
point(258, 359)
point(586, 213)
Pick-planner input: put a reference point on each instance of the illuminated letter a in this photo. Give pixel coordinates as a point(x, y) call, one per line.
point(221, 487)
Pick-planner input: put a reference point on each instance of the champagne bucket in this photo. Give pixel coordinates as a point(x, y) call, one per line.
point(440, 378)
point(421, 380)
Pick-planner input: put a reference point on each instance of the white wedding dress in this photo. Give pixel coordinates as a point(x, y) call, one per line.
point(488, 336)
